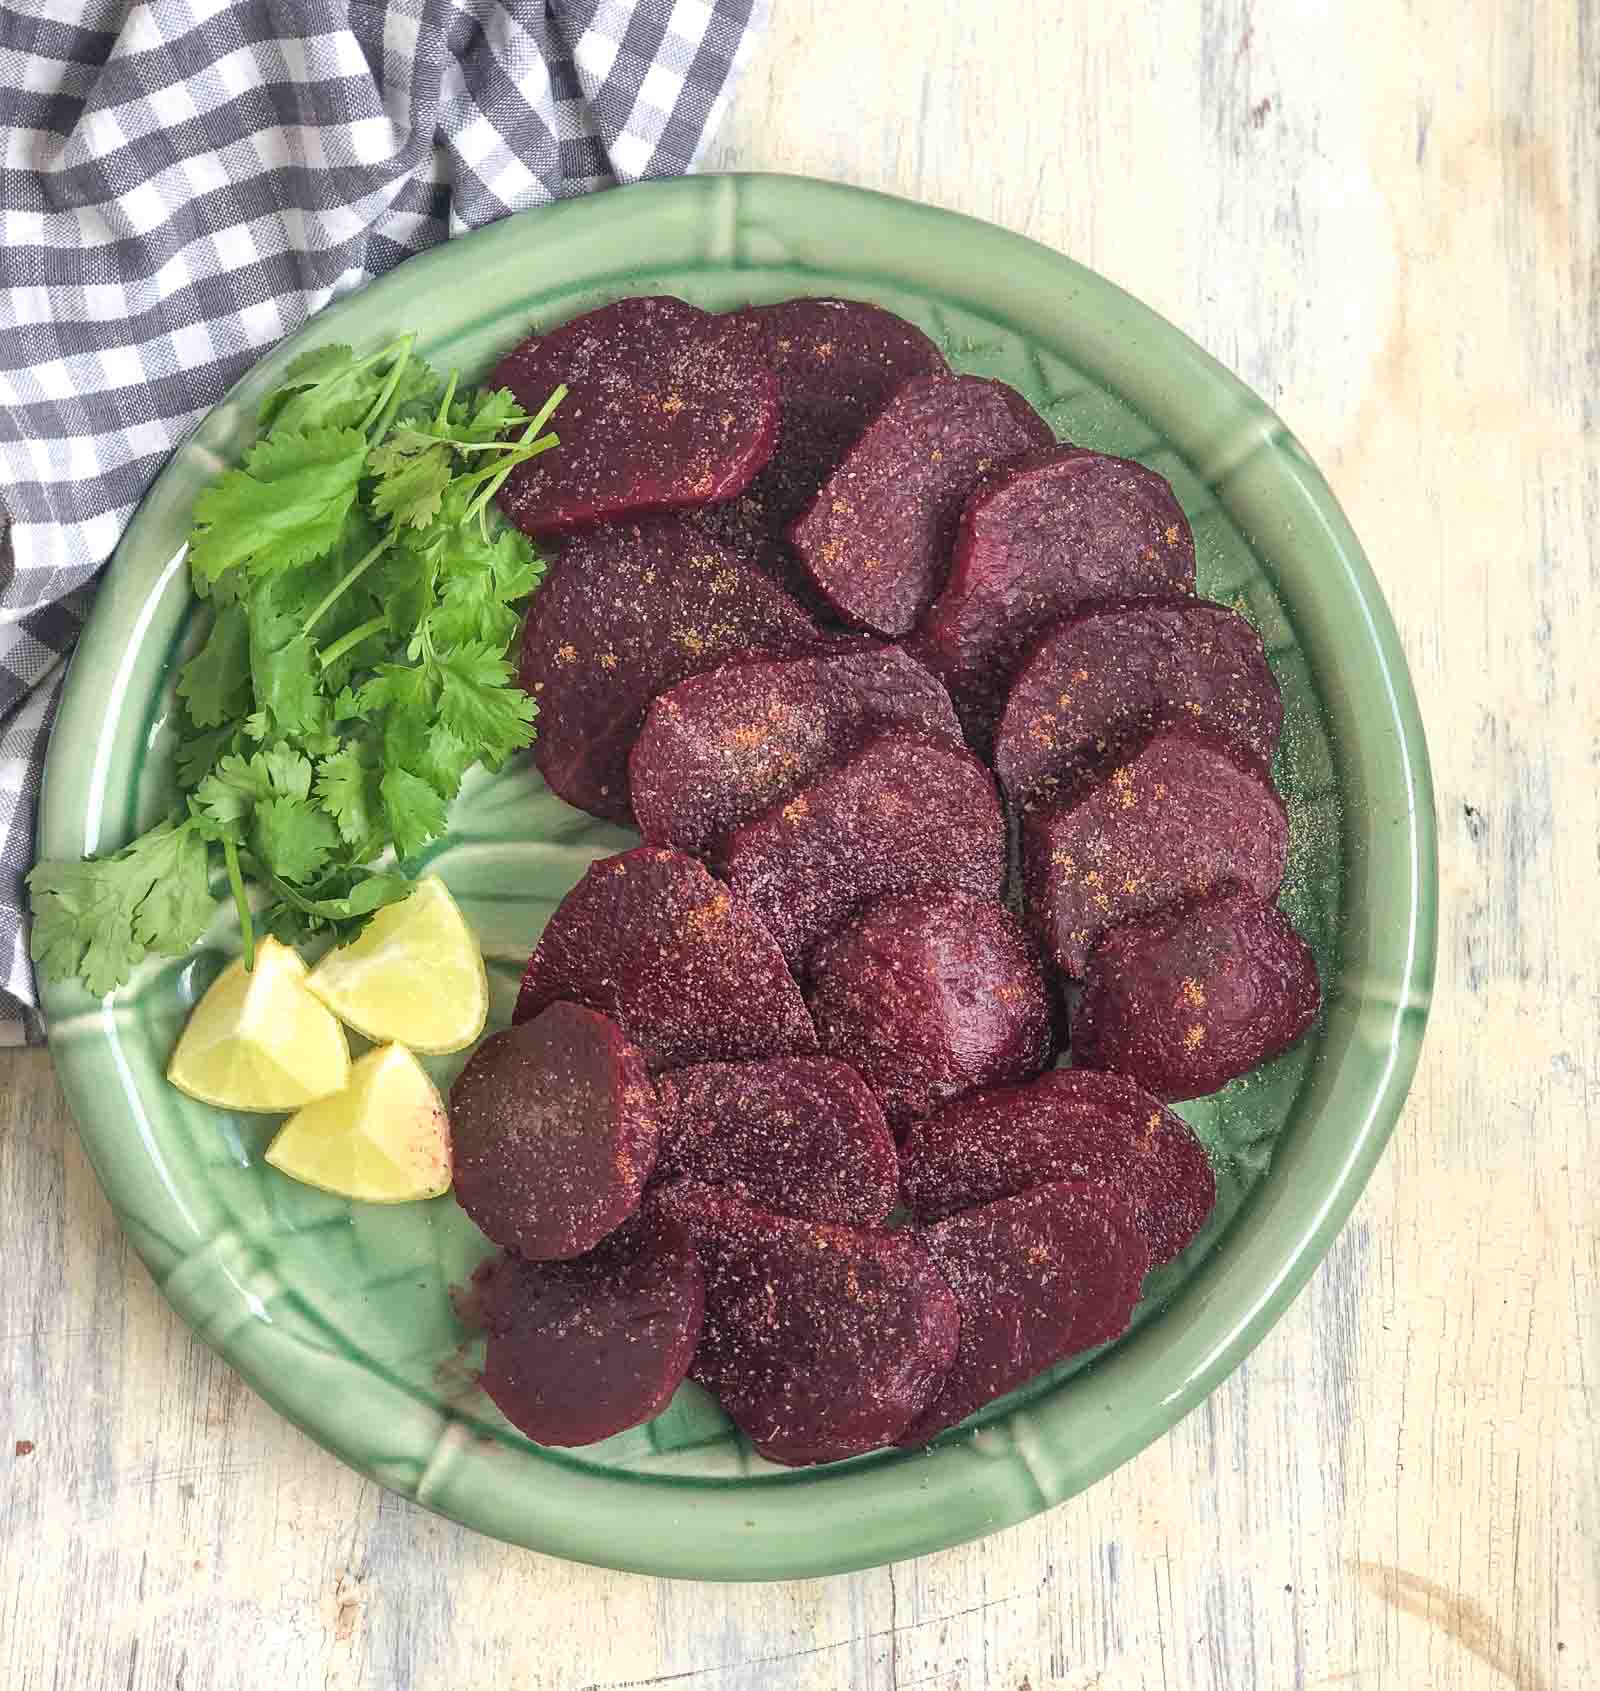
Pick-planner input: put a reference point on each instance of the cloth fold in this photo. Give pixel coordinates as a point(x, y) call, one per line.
point(185, 182)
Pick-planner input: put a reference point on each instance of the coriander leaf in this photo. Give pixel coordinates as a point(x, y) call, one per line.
point(228, 797)
point(398, 687)
point(330, 387)
point(411, 493)
point(198, 752)
point(292, 839)
point(371, 892)
point(469, 610)
point(403, 584)
point(347, 707)
point(99, 917)
point(347, 788)
point(179, 906)
point(288, 684)
point(492, 412)
point(288, 774)
point(399, 447)
point(414, 811)
point(442, 761)
point(284, 506)
point(477, 702)
point(215, 683)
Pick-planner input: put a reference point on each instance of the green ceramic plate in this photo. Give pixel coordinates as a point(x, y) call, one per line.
point(341, 1316)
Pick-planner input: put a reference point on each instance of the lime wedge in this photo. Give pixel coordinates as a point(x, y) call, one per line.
point(258, 1040)
point(384, 1139)
point(414, 975)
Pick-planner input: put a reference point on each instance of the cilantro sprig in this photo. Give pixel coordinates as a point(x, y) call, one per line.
point(363, 596)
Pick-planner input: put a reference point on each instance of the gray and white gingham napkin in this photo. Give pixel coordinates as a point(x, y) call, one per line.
point(184, 182)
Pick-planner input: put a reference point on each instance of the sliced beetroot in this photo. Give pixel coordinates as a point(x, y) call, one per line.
point(820, 1341)
point(876, 538)
point(553, 1130)
point(837, 362)
point(900, 814)
point(1189, 998)
point(667, 406)
point(1046, 534)
point(625, 612)
point(1111, 668)
point(720, 748)
point(930, 995)
point(583, 1349)
point(1183, 811)
point(803, 1136)
point(682, 964)
point(1037, 1278)
point(1070, 1124)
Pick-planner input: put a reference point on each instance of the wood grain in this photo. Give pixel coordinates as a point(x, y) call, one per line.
point(1386, 218)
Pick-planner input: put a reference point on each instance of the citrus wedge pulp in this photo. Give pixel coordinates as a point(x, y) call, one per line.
point(385, 1139)
point(258, 1040)
point(414, 975)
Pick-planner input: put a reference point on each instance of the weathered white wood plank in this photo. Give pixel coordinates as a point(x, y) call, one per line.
point(1388, 220)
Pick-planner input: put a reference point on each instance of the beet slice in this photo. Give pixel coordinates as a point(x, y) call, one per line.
point(876, 538)
point(820, 1341)
point(1184, 811)
point(1038, 1278)
point(803, 1136)
point(1070, 1124)
point(1191, 997)
point(930, 995)
point(667, 406)
point(683, 964)
point(553, 1130)
point(583, 1349)
point(1046, 534)
point(625, 612)
point(899, 814)
point(720, 748)
point(837, 361)
point(1112, 668)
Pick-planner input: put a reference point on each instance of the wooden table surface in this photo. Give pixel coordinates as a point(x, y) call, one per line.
point(1386, 217)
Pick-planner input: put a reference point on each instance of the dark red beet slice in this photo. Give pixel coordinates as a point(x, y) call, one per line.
point(1037, 1277)
point(899, 814)
point(930, 995)
point(718, 749)
point(1038, 538)
point(837, 362)
point(1071, 1124)
point(820, 1341)
point(1184, 811)
point(1111, 668)
point(583, 1349)
point(1191, 997)
point(667, 406)
point(876, 539)
point(800, 1135)
point(684, 965)
point(627, 611)
point(553, 1130)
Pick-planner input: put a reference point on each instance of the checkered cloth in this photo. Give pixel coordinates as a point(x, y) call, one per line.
point(184, 182)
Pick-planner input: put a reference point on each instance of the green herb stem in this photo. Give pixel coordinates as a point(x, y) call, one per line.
point(376, 421)
point(348, 580)
point(247, 930)
point(444, 404)
point(330, 655)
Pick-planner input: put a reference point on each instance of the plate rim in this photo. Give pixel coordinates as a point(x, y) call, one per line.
point(678, 1549)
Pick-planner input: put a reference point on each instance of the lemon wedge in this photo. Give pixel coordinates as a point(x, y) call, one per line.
point(258, 1040)
point(414, 975)
point(384, 1139)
